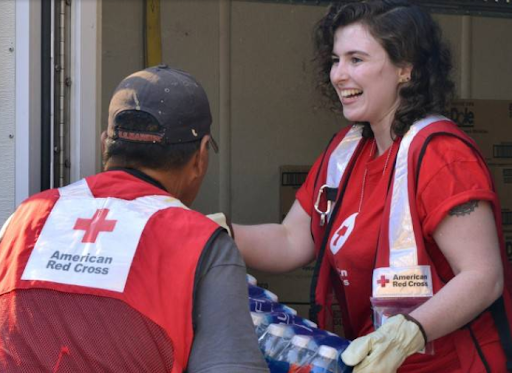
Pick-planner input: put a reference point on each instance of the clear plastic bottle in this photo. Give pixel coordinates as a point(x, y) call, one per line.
point(251, 279)
point(262, 320)
point(273, 341)
point(325, 360)
point(259, 321)
point(299, 351)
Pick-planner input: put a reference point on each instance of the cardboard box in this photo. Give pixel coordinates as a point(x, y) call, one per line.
point(508, 244)
point(291, 178)
point(502, 176)
point(293, 286)
point(489, 123)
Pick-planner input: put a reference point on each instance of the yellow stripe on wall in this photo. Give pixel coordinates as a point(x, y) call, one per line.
point(153, 34)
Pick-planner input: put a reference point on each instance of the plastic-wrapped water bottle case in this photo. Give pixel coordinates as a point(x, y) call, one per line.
point(289, 342)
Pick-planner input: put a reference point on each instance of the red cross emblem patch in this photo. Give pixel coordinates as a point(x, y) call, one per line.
point(94, 226)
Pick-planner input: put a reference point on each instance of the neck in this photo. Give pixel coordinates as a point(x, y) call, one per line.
point(173, 181)
point(383, 139)
point(382, 130)
point(382, 133)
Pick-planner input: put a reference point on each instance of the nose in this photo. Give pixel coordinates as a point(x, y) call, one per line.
point(338, 73)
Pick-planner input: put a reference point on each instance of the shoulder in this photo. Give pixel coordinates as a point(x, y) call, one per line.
point(453, 158)
point(179, 223)
point(185, 216)
point(40, 201)
point(442, 143)
point(221, 250)
point(440, 128)
point(44, 195)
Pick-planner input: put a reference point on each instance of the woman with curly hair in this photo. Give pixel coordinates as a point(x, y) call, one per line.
point(399, 211)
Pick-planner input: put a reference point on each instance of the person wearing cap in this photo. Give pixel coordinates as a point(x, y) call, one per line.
point(115, 273)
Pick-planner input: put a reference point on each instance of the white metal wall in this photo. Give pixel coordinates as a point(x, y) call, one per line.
point(274, 115)
point(28, 99)
point(7, 108)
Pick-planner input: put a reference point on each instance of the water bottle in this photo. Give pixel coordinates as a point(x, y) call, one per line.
point(299, 351)
point(325, 360)
point(262, 320)
point(332, 340)
point(265, 305)
point(251, 279)
point(273, 340)
point(259, 321)
point(255, 292)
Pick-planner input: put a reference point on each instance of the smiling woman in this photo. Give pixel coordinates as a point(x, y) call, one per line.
point(398, 179)
point(365, 79)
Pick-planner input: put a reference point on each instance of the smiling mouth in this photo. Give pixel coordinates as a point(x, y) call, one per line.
point(350, 93)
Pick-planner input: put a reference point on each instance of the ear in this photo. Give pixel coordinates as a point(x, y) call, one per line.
point(103, 139)
point(103, 144)
point(404, 73)
point(201, 158)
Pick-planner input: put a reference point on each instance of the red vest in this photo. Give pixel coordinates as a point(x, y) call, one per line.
point(156, 278)
point(402, 243)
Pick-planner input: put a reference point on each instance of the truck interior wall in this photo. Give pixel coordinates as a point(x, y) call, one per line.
point(276, 115)
point(7, 108)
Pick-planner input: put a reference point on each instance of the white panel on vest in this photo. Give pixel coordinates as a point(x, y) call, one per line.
point(89, 242)
point(391, 282)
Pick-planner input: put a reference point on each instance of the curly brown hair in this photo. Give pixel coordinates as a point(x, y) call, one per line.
point(409, 35)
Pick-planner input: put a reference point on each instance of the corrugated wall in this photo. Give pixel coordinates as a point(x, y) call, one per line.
point(7, 108)
point(275, 115)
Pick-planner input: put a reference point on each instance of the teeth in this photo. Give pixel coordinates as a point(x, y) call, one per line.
point(350, 92)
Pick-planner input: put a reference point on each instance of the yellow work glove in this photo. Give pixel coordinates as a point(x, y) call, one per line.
point(384, 350)
point(223, 221)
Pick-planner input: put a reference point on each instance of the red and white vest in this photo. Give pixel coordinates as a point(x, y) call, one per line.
point(111, 235)
point(401, 249)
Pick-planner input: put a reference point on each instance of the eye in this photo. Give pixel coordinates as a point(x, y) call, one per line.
point(355, 60)
point(335, 59)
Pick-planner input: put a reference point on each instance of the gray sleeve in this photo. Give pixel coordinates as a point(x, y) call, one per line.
point(224, 339)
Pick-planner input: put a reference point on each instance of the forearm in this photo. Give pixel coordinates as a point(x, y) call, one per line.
point(268, 248)
point(277, 247)
point(443, 313)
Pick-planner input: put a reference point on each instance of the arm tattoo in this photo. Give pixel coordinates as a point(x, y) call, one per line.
point(464, 209)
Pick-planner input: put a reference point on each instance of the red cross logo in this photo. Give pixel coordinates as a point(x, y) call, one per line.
point(341, 233)
point(383, 281)
point(94, 226)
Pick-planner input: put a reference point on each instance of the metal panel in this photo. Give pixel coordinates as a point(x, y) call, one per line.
point(28, 99)
point(489, 8)
point(7, 108)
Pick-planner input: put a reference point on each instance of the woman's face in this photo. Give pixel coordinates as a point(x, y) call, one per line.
point(364, 77)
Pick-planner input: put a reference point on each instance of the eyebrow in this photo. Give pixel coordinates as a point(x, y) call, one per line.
point(351, 53)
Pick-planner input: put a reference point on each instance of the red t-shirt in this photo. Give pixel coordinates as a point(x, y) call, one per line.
point(451, 174)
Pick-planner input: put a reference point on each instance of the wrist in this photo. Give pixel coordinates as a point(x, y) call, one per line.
point(412, 319)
